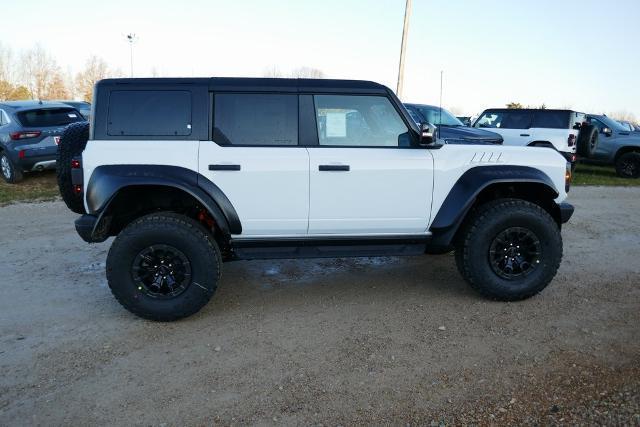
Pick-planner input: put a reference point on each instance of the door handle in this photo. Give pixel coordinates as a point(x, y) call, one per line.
point(224, 167)
point(333, 168)
point(524, 134)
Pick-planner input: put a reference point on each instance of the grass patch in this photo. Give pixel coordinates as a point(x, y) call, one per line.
point(35, 187)
point(600, 175)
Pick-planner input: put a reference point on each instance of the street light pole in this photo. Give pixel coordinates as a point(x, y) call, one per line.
point(131, 37)
point(403, 46)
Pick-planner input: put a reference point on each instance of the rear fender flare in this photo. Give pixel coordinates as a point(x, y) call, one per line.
point(107, 181)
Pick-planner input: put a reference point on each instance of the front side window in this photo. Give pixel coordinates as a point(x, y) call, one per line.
point(149, 113)
point(359, 121)
point(505, 120)
point(255, 119)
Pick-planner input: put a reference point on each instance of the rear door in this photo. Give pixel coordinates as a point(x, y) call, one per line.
point(365, 178)
point(513, 125)
point(255, 159)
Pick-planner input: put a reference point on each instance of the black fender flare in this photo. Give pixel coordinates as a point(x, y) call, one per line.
point(463, 194)
point(108, 180)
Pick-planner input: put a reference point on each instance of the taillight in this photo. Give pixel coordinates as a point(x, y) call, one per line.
point(25, 134)
point(77, 189)
point(567, 178)
point(21, 154)
point(572, 140)
point(75, 164)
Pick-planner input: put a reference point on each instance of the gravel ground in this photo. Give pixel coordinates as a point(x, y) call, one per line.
point(335, 341)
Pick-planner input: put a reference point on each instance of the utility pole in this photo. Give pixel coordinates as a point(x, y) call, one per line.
point(131, 37)
point(403, 46)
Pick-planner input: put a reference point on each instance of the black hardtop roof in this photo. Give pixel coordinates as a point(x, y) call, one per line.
point(32, 105)
point(553, 110)
point(253, 84)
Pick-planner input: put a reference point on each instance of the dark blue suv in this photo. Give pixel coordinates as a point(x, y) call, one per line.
point(450, 129)
point(29, 134)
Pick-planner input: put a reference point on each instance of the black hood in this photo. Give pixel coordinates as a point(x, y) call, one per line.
point(464, 134)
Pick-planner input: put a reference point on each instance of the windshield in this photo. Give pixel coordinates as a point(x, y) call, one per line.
point(438, 116)
point(611, 123)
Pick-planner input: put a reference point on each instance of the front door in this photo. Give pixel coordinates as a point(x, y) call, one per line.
point(365, 178)
point(256, 161)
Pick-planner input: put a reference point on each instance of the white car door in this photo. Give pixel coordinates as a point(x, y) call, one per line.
point(365, 179)
point(514, 126)
point(256, 161)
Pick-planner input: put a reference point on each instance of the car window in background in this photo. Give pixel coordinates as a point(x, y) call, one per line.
point(551, 119)
point(439, 116)
point(255, 119)
point(365, 121)
point(604, 121)
point(490, 119)
point(49, 117)
point(415, 116)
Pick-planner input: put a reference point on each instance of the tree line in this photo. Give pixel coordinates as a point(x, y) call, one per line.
point(35, 74)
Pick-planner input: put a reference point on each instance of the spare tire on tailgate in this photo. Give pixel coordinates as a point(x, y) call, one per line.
point(587, 140)
point(72, 143)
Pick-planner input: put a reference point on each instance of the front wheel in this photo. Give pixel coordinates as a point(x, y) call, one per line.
point(164, 267)
point(628, 165)
point(509, 249)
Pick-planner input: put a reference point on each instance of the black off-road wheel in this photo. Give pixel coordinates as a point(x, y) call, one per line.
point(10, 172)
point(72, 143)
point(587, 141)
point(164, 267)
point(509, 249)
point(628, 165)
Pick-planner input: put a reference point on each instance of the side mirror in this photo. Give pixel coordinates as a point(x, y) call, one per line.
point(428, 134)
point(607, 131)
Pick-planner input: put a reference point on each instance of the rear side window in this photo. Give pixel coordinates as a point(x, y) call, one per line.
point(551, 119)
point(149, 113)
point(49, 117)
point(255, 119)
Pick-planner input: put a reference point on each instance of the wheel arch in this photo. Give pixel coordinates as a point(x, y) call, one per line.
point(541, 144)
point(484, 183)
point(624, 150)
point(119, 194)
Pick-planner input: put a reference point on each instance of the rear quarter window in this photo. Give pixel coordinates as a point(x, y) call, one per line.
point(149, 113)
point(47, 117)
point(551, 119)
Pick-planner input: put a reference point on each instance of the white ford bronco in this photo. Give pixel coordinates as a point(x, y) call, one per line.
point(190, 173)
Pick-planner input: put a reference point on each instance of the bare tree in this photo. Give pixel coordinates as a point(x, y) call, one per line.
point(272, 71)
point(38, 69)
point(57, 87)
point(95, 69)
point(307, 73)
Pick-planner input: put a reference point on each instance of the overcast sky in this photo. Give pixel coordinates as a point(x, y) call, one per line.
point(583, 54)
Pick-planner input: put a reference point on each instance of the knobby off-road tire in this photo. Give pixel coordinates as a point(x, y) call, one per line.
point(10, 172)
point(72, 143)
point(628, 165)
point(166, 245)
point(503, 228)
point(587, 141)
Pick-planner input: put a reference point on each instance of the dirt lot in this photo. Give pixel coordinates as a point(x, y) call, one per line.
point(378, 340)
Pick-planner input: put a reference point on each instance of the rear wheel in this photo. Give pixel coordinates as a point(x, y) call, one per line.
point(10, 172)
point(628, 165)
point(164, 267)
point(509, 249)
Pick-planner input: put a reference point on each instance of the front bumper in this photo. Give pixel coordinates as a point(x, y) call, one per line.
point(566, 211)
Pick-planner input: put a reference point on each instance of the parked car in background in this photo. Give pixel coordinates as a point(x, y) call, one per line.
point(466, 120)
point(450, 129)
point(617, 146)
point(29, 134)
point(83, 107)
point(557, 129)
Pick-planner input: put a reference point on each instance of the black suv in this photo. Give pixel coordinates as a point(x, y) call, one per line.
point(29, 134)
